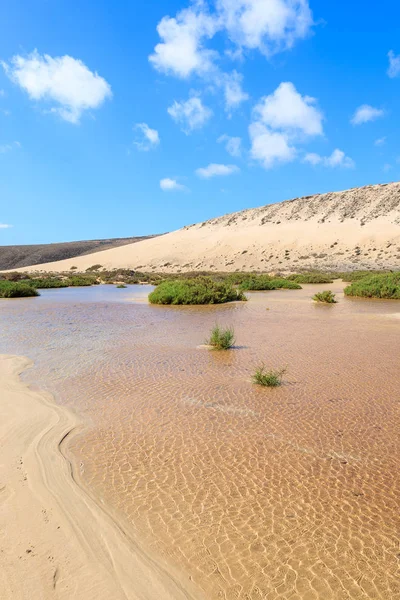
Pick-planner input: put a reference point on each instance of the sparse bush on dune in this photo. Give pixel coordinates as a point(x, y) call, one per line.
point(386, 285)
point(268, 378)
point(310, 278)
point(221, 339)
point(266, 282)
point(10, 289)
point(93, 268)
point(202, 290)
point(326, 297)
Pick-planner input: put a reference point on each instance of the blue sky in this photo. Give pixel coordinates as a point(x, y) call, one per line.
point(110, 127)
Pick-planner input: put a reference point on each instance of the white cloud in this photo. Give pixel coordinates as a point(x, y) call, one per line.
point(366, 113)
point(394, 64)
point(270, 147)
point(62, 80)
point(214, 170)
point(380, 141)
point(8, 147)
point(285, 109)
point(233, 92)
point(336, 159)
point(150, 137)
point(191, 114)
point(232, 144)
point(268, 25)
point(181, 51)
point(168, 185)
point(5, 226)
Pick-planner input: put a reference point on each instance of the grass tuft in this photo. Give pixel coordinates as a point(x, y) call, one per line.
point(310, 278)
point(221, 339)
point(268, 378)
point(121, 286)
point(327, 297)
point(266, 282)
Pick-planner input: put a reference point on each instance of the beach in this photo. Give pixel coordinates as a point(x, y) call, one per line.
point(56, 542)
point(180, 478)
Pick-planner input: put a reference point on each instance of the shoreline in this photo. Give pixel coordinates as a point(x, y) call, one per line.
point(56, 541)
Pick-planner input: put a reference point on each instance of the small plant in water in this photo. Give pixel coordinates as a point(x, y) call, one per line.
point(328, 297)
point(268, 378)
point(221, 339)
point(121, 285)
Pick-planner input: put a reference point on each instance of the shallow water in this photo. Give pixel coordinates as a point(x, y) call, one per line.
point(252, 493)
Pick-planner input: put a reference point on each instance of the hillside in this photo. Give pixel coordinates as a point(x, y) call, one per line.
point(13, 257)
point(353, 229)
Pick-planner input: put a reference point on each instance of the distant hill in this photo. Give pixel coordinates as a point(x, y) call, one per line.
point(353, 229)
point(14, 257)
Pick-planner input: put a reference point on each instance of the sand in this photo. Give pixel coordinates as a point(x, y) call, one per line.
point(55, 541)
point(354, 229)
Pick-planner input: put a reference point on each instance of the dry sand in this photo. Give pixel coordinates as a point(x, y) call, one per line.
point(55, 541)
point(355, 229)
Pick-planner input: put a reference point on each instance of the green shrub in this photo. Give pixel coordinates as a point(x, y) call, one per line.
point(310, 278)
point(121, 285)
point(9, 289)
point(202, 290)
point(265, 282)
point(386, 285)
point(268, 378)
point(93, 268)
point(327, 296)
point(81, 280)
point(221, 339)
point(48, 282)
point(357, 275)
point(73, 268)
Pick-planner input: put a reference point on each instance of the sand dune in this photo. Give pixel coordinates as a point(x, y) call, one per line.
point(357, 228)
point(55, 541)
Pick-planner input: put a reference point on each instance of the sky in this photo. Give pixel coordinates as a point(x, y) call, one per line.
point(131, 118)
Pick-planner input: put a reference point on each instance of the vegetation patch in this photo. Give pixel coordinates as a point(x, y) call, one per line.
point(82, 280)
point(386, 285)
point(266, 282)
point(310, 278)
point(327, 297)
point(48, 282)
point(121, 286)
point(221, 339)
point(268, 377)
point(10, 289)
point(202, 290)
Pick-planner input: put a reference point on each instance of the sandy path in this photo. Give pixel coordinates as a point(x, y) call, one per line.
point(55, 541)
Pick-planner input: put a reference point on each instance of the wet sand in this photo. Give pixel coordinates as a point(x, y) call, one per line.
point(242, 492)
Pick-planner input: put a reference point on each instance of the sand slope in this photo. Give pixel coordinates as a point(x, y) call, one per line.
point(357, 228)
point(55, 541)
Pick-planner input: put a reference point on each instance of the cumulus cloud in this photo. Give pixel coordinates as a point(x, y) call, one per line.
point(232, 144)
point(191, 114)
point(168, 185)
point(270, 147)
point(215, 170)
point(337, 159)
point(233, 91)
point(366, 113)
point(380, 141)
point(281, 120)
point(149, 137)
point(394, 64)
point(5, 226)
point(64, 81)
point(270, 26)
point(288, 110)
point(181, 51)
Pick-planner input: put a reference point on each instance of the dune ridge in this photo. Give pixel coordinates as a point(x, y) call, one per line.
point(353, 229)
point(56, 541)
